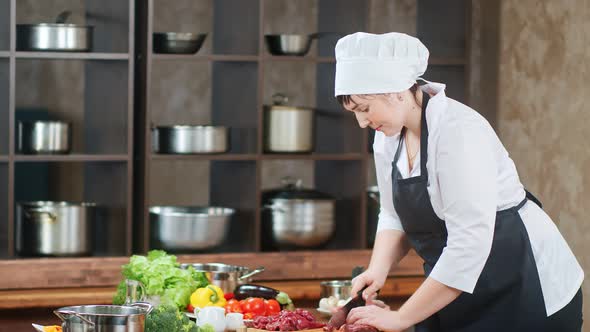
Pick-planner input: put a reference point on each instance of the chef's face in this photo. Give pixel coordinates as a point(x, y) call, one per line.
point(382, 112)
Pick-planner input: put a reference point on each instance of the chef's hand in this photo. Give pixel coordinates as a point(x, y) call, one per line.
point(370, 278)
point(382, 319)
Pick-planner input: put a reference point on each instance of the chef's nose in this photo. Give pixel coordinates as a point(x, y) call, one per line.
point(362, 120)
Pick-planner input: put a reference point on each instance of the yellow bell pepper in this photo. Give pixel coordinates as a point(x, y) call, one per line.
point(209, 296)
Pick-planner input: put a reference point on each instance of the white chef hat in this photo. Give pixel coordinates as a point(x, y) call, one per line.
point(369, 63)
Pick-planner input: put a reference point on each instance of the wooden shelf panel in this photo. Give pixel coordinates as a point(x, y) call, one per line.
point(106, 271)
point(72, 55)
point(4, 54)
point(3, 159)
point(72, 158)
point(207, 57)
point(318, 59)
point(314, 156)
point(228, 157)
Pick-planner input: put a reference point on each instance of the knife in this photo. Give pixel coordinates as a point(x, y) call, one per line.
point(339, 317)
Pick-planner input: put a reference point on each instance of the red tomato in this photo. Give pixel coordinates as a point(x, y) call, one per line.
point(233, 305)
point(248, 315)
point(272, 307)
point(228, 296)
point(254, 305)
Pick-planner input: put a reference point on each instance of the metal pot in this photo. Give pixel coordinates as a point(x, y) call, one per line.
point(178, 42)
point(298, 217)
point(44, 137)
point(104, 318)
point(341, 289)
point(227, 277)
point(188, 228)
point(288, 129)
point(292, 44)
point(57, 36)
point(373, 209)
point(185, 139)
point(54, 228)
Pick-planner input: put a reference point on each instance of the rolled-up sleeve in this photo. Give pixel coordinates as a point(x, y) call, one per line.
point(388, 218)
point(466, 173)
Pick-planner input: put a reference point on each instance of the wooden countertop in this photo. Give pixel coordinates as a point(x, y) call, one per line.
point(59, 297)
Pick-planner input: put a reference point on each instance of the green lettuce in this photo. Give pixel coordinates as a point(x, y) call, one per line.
point(161, 275)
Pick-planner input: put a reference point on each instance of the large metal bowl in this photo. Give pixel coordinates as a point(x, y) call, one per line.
point(182, 228)
point(178, 42)
point(288, 44)
point(188, 139)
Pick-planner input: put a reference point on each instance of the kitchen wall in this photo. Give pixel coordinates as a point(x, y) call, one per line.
point(530, 61)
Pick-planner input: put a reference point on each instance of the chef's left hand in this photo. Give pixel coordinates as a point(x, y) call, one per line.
point(381, 318)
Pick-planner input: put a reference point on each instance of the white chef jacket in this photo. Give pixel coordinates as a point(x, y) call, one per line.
point(470, 177)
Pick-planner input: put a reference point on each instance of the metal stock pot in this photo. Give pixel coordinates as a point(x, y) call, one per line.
point(104, 318)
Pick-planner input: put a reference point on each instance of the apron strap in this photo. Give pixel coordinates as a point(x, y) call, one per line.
point(424, 136)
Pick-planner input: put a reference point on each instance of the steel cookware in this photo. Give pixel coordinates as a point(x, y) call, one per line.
point(177, 228)
point(296, 217)
point(288, 129)
point(373, 208)
point(58, 36)
point(291, 44)
point(44, 137)
point(104, 318)
point(341, 289)
point(54, 228)
point(178, 42)
point(186, 139)
point(227, 277)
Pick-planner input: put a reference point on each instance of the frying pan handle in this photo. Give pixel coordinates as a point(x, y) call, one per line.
point(249, 274)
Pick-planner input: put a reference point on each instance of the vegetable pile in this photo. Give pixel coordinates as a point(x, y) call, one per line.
point(160, 274)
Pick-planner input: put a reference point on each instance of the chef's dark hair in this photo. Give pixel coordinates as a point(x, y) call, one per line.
point(347, 99)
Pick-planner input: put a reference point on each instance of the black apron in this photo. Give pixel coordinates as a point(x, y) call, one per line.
point(508, 295)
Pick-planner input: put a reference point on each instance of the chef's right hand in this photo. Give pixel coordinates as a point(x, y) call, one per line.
point(370, 278)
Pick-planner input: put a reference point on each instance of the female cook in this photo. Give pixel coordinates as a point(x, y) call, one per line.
point(494, 260)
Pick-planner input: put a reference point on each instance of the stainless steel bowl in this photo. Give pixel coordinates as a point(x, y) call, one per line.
point(227, 277)
point(178, 42)
point(104, 318)
point(188, 228)
point(288, 44)
point(62, 37)
point(341, 289)
point(184, 139)
point(44, 137)
point(54, 228)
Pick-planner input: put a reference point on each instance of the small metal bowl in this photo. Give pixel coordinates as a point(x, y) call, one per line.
point(284, 44)
point(341, 289)
point(178, 42)
point(189, 139)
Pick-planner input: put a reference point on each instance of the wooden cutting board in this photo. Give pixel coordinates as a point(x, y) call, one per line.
point(251, 329)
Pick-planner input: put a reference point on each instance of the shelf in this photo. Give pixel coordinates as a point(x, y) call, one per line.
point(211, 57)
point(318, 59)
point(71, 157)
point(3, 159)
point(314, 156)
point(4, 54)
point(229, 157)
point(72, 55)
point(447, 61)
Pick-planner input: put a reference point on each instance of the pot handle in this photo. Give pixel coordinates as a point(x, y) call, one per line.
point(148, 307)
point(249, 274)
point(60, 314)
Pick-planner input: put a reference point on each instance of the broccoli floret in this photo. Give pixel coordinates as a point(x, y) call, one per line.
point(168, 318)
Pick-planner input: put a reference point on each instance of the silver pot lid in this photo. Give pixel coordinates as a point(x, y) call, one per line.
point(293, 190)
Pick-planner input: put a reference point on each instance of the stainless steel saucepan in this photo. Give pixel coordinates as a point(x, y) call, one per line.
point(58, 36)
point(227, 277)
point(44, 137)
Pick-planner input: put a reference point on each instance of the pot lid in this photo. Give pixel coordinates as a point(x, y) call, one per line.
point(373, 189)
point(280, 103)
point(293, 189)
